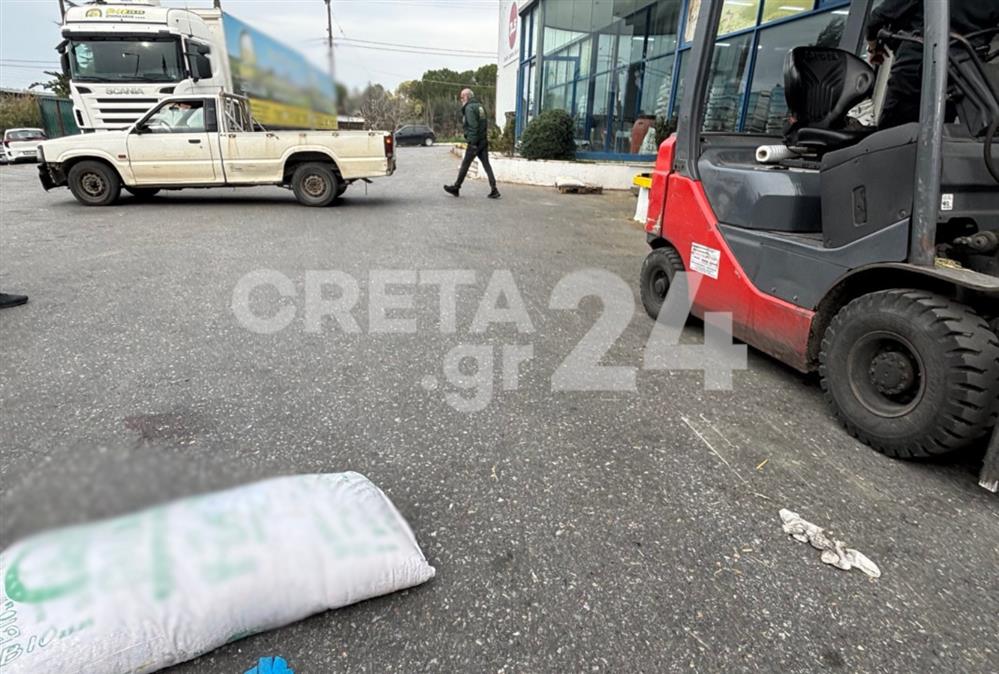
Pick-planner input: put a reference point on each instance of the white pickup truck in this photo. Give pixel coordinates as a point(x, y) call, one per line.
point(211, 141)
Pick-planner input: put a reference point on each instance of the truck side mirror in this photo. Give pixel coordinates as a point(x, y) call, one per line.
point(201, 65)
point(64, 62)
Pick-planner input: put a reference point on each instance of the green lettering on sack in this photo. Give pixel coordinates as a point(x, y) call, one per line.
point(70, 560)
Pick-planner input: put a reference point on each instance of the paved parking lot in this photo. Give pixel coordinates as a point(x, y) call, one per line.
point(596, 531)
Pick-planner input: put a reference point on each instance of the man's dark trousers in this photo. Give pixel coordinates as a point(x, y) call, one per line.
point(471, 152)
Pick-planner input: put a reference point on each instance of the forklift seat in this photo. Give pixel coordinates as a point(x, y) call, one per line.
point(821, 85)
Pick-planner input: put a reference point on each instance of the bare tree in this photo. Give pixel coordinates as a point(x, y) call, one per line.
point(384, 110)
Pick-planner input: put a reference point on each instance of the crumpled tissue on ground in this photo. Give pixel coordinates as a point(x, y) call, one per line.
point(834, 552)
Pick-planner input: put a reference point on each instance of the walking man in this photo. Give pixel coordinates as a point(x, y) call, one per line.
point(477, 139)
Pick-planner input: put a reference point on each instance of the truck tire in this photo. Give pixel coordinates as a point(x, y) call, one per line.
point(143, 192)
point(911, 373)
point(315, 184)
point(94, 183)
point(658, 270)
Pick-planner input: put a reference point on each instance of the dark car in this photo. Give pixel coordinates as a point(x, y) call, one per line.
point(415, 134)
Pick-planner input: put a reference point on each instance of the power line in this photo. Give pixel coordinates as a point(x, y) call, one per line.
point(341, 43)
point(30, 61)
point(22, 67)
point(458, 84)
point(409, 48)
point(417, 46)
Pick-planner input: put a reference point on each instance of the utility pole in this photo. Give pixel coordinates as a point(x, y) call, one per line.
point(62, 10)
point(329, 41)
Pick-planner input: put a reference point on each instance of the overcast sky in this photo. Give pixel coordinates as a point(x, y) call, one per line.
point(29, 32)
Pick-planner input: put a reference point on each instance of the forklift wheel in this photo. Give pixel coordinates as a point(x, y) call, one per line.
point(658, 270)
point(911, 373)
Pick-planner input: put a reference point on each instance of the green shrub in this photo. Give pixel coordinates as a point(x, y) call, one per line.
point(495, 138)
point(504, 141)
point(664, 129)
point(550, 135)
point(17, 111)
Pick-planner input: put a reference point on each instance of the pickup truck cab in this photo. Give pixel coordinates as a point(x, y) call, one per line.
point(212, 141)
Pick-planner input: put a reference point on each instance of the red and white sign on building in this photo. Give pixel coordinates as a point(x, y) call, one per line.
point(510, 31)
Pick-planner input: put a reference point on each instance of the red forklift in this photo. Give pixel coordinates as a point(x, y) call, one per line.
point(869, 256)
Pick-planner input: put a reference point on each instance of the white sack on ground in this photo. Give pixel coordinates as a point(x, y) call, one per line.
point(834, 552)
point(141, 592)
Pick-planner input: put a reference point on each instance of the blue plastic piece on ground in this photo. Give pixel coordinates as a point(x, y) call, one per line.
point(275, 665)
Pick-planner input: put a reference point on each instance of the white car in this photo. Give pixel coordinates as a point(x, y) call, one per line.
point(22, 144)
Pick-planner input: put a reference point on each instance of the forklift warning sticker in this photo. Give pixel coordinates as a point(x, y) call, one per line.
point(705, 260)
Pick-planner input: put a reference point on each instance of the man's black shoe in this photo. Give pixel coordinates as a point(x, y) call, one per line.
point(451, 189)
point(7, 301)
point(494, 194)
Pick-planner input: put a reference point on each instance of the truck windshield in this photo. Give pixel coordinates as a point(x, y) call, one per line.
point(126, 60)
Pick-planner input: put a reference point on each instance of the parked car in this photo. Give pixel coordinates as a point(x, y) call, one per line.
point(21, 144)
point(415, 134)
point(212, 141)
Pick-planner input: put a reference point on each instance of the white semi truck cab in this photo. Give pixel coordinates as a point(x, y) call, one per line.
point(123, 57)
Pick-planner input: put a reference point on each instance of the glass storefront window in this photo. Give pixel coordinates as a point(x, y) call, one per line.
point(738, 14)
point(560, 70)
point(767, 111)
point(613, 64)
point(728, 74)
point(657, 87)
point(581, 94)
point(631, 46)
point(583, 49)
point(663, 28)
point(527, 91)
point(693, 9)
point(681, 81)
point(556, 99)
point(627, 98)
point(781, 9)
point(605, 52)
point(598, 117)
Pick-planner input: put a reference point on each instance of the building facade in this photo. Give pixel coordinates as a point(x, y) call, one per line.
point(617, 66)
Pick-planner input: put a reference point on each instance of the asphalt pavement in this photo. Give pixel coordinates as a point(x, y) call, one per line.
point(571, 531)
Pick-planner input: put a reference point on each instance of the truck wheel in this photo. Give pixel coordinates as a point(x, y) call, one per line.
point(94, 183)
point(314, 184)
point(658, 270)
point(143, 192)
point(911, 373)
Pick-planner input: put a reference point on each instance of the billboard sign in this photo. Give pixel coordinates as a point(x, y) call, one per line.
point(284, 88)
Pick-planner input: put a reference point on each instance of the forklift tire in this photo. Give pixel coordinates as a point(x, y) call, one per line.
point(315, 184)
point(658, 270)
point(94, 183)
point(911, 373)
point(143, 192)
